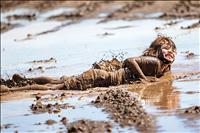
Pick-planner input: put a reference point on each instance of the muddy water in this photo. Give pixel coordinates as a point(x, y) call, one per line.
point(75, 47)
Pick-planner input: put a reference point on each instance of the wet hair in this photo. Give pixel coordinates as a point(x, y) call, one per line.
point(156, 45)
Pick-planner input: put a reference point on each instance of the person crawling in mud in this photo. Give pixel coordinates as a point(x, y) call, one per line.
point(155, 62)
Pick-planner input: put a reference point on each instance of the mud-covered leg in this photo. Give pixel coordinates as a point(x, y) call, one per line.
point(37, 80)
point(33, 87)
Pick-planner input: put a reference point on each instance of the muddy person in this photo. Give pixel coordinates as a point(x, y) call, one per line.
point(155, 62)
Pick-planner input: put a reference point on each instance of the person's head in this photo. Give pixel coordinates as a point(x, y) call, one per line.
point(163, 48)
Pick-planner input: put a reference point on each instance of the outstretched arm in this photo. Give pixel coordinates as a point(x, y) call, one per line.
point(143, 66)
point(133, 66)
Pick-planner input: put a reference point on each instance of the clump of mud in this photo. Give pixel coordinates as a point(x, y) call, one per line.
point(192, 26)
point(88, 126)
point(29, 17)
point(50, 122)
point(192, 110)
point(17, 81)
point(125, 109)
point(39, 107)
point(7, 26)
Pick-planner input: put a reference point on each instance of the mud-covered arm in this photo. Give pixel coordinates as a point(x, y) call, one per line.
point(133, 66)
point(143, 66)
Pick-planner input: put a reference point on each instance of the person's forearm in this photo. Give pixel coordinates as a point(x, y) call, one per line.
point(133, 66)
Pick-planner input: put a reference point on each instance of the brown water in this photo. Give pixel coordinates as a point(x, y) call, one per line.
point(76, 47)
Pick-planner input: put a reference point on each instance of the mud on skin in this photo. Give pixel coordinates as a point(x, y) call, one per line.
point(125, 109)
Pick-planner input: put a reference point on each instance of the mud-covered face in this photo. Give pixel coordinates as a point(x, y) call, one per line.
point(168, 52)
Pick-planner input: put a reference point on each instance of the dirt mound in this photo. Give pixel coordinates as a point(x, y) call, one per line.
point(88, 126)
point(125, 109)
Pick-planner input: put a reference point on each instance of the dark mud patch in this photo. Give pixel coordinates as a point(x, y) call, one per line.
point(126, 109)
point(66, 16)
point(5, 126)
point(192, 26)
point(50, 122)
point(51, 60)
point(183, 9)
point(41, 107)
point(28, 17)
point(192, 110)
point(7, 26)
point(120, 27)
point(190, 114)
point(105, 34)
point(88, 126)
point(40, 68)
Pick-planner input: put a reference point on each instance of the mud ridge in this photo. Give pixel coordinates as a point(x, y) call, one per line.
point(126, 109)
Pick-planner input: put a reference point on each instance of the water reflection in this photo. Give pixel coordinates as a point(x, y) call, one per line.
point(161, 94)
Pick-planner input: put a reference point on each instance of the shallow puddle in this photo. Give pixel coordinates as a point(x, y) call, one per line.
point(75, 47)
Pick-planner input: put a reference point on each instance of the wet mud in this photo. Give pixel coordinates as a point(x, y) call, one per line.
point(88, 126)
point(7, 26)
point(183, 9)
point(28, 17)
point(192, 110)
point(17, 81)
point(192, 26)
point(125, 109)
point(173, 97)
point(116, 10)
